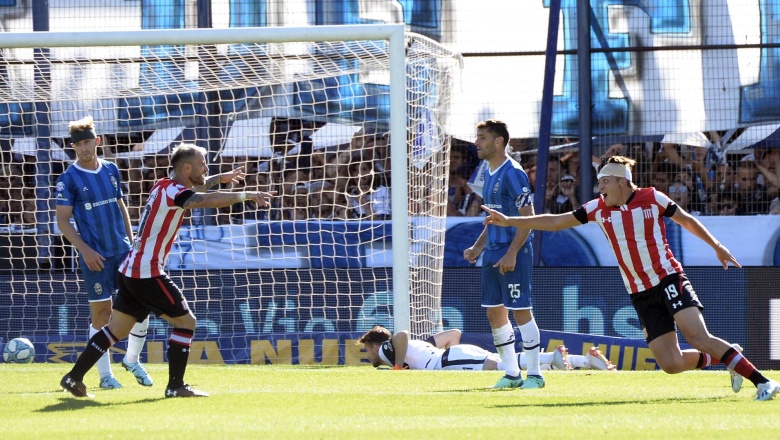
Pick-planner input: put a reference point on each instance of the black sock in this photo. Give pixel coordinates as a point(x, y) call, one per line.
point(96, 347)
point(178, 355)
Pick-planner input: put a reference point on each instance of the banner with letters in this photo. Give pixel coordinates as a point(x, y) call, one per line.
point(288, 323)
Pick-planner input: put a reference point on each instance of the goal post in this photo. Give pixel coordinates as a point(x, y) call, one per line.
point(308, 111)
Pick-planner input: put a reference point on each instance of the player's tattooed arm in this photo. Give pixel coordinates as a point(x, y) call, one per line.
point(210, 182)
point(194, 201)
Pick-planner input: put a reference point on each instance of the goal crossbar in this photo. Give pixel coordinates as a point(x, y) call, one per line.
point(393, 33)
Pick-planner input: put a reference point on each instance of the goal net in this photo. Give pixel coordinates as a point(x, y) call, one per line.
point(346, 123)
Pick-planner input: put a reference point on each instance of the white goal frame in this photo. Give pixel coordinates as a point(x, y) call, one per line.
point(393, 33)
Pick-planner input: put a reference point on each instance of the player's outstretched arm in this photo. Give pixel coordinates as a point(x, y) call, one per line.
point(235, 176)
point(222, 199)
point(541, 222)
point(694, 226)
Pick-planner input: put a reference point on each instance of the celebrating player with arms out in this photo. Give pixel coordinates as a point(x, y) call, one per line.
point(144, 286)
point(632, 220)
point(90, 190)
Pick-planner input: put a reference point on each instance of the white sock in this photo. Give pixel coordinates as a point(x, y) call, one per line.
point(521, 361)
point(546, 357)
point(504, 338)
point(103, 364)
point(578, 361)
point(531, 341)
point(136, 340)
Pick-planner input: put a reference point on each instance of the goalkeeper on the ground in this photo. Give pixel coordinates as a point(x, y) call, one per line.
point(443, 351)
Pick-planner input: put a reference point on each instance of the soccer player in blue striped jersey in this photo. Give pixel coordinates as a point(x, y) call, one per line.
point(90, 191)
point(508, 259)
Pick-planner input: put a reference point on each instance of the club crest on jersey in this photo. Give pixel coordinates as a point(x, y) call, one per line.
point(113, 181)
point(496, 187)
point(60, 186)
point(88, 206)
point(98, 289)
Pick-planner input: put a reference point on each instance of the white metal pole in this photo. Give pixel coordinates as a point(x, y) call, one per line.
point(199, 36)
point(399, 177)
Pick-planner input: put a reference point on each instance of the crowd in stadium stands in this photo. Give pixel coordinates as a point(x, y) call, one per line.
point(17, 194)
point(349, 181)
point(352, 181)
point(702, 181)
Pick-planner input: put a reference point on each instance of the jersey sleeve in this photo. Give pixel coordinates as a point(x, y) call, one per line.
point(520, 187)
point(118, 177)
point(587, 212)
point(177, 194)
point(581, 215)
point(181, 198)
point(666, 206)
point(64, 190)
point(388, 352)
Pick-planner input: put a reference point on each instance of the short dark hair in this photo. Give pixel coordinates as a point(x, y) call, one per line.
point(185, 153)
point(496, 127)
point(376, 335)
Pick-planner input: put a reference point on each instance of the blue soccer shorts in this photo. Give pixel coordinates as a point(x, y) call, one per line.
point(101, 284)
point(512, 289)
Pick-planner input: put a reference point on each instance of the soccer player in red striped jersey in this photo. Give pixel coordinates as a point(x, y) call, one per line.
point(632, 221)
point(144, 286)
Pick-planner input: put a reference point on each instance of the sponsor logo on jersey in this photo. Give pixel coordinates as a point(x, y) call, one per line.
point(88, 206)
point(104, 202)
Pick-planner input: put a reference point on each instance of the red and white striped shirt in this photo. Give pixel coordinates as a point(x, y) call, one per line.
point(637, 234)
point(157, 230)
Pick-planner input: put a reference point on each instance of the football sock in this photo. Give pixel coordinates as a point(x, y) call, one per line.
point(531, 342)
point(97, 346)
point(705, 360)
point(178, 354)
point(504, 338)
point(135, 342)
point(734, 360)
point(520, 362)
point(104, 363)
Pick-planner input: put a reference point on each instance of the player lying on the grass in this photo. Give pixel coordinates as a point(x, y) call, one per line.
point(443, 351)
point(632, 220)
point(594, 359)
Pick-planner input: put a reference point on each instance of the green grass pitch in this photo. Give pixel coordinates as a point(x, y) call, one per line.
point(298, 402)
